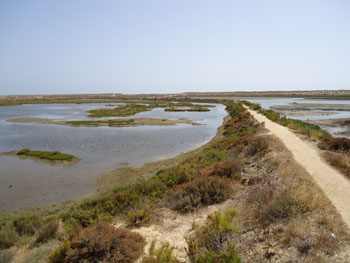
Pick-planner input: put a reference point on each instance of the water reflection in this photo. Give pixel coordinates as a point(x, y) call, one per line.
point(101, 149)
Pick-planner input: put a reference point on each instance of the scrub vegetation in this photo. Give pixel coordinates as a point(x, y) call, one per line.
point(337, 150)
point(120, 111)
point(198, 108)
point(270, 208)
point(130, 109)
point(311, 130)
point(110, 123)
point(51, 156)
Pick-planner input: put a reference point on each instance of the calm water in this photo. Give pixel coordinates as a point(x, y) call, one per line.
point(101, 149)
point(269, 102)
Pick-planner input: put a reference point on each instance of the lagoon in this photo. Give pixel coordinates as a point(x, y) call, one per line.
point(29, 183)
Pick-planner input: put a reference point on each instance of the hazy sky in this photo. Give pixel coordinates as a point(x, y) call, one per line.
point(153, 46)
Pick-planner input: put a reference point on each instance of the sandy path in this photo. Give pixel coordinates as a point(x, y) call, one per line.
point(333, 184)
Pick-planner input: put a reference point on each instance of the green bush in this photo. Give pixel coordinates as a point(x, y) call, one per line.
point(8, 237)
point(141, 214)
point(182, 173)
point(47, 232)
point(27, 224)
point(164, 254)
point(210, 242)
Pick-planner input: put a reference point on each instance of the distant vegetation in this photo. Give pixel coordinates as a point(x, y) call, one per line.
point(111, 123)
point(134, 108)
point(52, 156)
point(338, 154)
point(311, 130)
point(192, 108)
point(120, 111)
point(277, 207)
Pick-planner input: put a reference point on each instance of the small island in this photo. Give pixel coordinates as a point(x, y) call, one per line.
point(198, 108)
point(107, 122)
point(53, 158)
point(134, 108)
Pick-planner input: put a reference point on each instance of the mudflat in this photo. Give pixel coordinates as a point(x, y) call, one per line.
point(109, 122)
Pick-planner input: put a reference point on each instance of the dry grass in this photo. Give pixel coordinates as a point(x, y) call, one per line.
point(341, 161)
point(286, 213)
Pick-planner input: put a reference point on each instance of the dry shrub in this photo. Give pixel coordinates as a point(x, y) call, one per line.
point(335, 144)
point(104, 243)
point(257, 145)
point(202, 191)
point(281, 206)
point(7, 255)
point(341, 161)
point(230, 168)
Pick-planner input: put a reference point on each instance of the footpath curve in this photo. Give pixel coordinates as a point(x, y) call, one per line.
point(335, 186)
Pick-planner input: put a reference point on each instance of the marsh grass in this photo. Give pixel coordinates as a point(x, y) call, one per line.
point(120, 111)
point(51, 156)
point(111, 123)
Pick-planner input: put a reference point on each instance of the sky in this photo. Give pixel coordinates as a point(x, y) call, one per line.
point(171, 46)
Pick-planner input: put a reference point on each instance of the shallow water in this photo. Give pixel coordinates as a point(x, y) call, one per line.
point(269, 102)
point(102, 149)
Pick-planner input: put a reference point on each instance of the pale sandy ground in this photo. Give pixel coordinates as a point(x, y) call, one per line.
point(335, 186)
point(175, 227)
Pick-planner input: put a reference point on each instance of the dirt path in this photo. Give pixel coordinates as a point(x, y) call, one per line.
point(333, 184)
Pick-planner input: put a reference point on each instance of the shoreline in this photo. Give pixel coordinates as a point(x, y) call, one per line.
point(37, 159)
point(108, 122)
point(122, 176)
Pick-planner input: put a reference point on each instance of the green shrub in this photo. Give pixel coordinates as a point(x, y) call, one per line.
point(23, 151)
point(202, 191)
point(182, 173)
point(60, 253)
point(164, 254)
point(47, 232)
point(27, 224)
point(8, 237)
point(210, 242)
point(141, 214)
point(228, 255)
